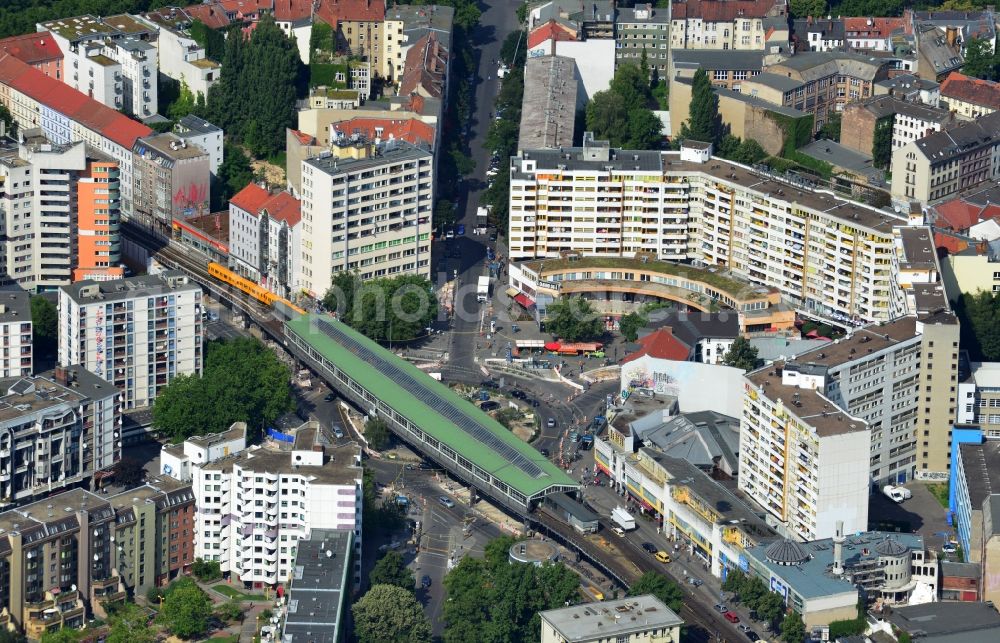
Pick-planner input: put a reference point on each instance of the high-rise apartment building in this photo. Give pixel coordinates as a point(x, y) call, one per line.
point(825, 254)
point(98, 241)
point(802, 458)
point(58, 429)
point(15, 333)
point(109, 59)
point(254, 504)
point(170, 180)
point(137, 333)
point(366, 207)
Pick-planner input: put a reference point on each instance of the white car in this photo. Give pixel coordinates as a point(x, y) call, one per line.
point(618, 531)
point(897, 494)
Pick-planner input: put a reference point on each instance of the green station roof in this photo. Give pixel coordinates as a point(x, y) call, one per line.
point(433, 422)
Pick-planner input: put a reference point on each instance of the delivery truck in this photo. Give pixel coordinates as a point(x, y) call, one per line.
point(622, 519)
point(483, 289)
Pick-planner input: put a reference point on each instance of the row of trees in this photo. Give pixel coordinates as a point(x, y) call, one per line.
point(622, 114)
point(242, 381)
point(770, 606)
point(384, 309)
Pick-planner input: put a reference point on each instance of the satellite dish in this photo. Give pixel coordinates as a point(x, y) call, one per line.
point(72, 588)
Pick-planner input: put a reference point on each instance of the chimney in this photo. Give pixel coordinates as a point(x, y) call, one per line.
point(62, 375)
point(838, 549)
point(952, 35)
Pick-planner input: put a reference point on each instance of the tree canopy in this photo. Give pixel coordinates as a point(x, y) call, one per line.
point(622, 113)
point(703, 119)
point(979, 313)
point(661, 587)
point(64, 635)
point(206, 570)
point(980, 60)
point(391, 570)
point(128, 625)
point(242, 381)
point(742, 354)
point(631, 324)
point(573, 319)
point(44, 324)
point(186, 609)
point(384, 309)
point(390, 613)
point(793, 630)
point(8, 120)
point(377, 433)
point(129, 471)
point(492, 601)
point(235, 173)
point(254, 100)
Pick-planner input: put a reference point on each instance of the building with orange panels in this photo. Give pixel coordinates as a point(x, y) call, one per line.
point(98, 241)
point(40, 50)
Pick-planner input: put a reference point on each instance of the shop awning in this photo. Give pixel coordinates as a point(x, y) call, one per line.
point(512, 292)
point(524, 300)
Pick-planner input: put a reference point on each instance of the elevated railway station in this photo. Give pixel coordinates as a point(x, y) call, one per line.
point(448, 429)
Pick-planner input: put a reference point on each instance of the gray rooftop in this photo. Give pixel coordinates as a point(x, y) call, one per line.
point(933, 46)
point(15, 306)
point(591, 157)
point(640, 15)
point(26, 396)
point(918, 249)
point(840, 156)
point(170, 146)
point(722, 60)
point(611, 619)
point(981, 467)
point(812, 578)
point(831, 29)
point(388, 152)
point(192, 125)
point(703, 438)
point(236, 431)
point(770, 349)
point(749, 99)
point(908, 82)
point(692, 327)
point(548, 112)
point(419, 20)
point(319, 587)
point(777, 81)
point(942, 621)
point(813, 65)
point(994, 505)
point(88, 292)
point(943, 146)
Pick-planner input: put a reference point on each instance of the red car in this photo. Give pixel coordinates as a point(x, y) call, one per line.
point(732, 617)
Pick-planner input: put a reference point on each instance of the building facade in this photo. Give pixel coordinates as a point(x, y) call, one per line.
point(969, 98)
point(170, 181)
point(137, 333)
point(265, 234)
point(15, 332)
point(39, 49)
point(643, 31)
point(180, 57)
point(203, 134)
point(351, 222)
point(642, 619)
point(720, 24)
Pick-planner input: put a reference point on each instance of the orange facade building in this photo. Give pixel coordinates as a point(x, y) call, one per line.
point(98, 238)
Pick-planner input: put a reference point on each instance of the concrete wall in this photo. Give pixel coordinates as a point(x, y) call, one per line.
point(968, 273)
point(595, 62)
point(743, 119)
point(843, 482)
point(698, 387)
point(857, 130)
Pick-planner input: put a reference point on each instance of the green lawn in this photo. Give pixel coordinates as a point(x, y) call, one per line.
point(940, 491)
point(231, 592)
point(224, 639)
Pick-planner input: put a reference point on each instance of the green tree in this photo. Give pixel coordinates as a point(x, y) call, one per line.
point(793, 630)
point(742, 354)
point(514, 50)
point(234, 174)
point(242, 381)
point(882, 143)
point(64, 635)
point(734, 581)
point(645, 130)
point(749, 152)
point(632, 84)
point(186, 609)
point(44, 324)
point(8, 120)
point(129, 471)
point(394, 309)
point(661, 587)
point(860, 8)
point(321, 40)
point(391, 570)
point(212, 40)
point(183, 105)
point(631, 324)
point(128, 625)
point(980, 60)
point(230, 611)
point(573, 319)
point(807, 8)
point(770, 607)
point(831, 128)
point(703, 119)
point(206, 570)
point(377, 433)
point(390, 613)
point(339, 298)
point(979, 314)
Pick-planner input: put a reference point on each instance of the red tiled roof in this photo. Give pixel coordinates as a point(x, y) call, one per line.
point(551, 30)
point(292, 10)
point(947, 244)
point(246, 7)
point(971, 90)
point(32, 48)
point(304, 139)
point(721, 10)
point(211, 15)
point(333, 12)
point(661, 344)
point(424, 68)
point(879, 27)
point(280, 206)
point(410, 130)
point(72, 104)
point(250, 198)
point(957, 215)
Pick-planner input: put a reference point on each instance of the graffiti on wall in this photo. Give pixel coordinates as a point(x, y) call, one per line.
point(192, 200)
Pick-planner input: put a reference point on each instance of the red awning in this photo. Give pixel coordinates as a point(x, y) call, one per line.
point(524, 300)
point(552, 346)
point(813, 334)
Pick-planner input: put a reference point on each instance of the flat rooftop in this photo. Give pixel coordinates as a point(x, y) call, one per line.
point(388, 152)
point(15, 307)
point(611, 619)
point(78, 27)
point(318, 588)
point(948, 619)
point(431, 406)
point(862, 342)
point(807, 404)
point(89, 292)
point(548, 110)
point(339, 462)
point(981, 463)
point(170, 145)
point(236, 431)
point(918, 249)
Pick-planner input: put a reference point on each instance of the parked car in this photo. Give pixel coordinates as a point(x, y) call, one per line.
point(329, 397)
point(618, 531)
point(534, 403)
point(489, 405)
point(425, 581)
point(460, 230)
point(518, 395)
point(449, 234)
point(720, 608)
point(338, 432)
point(446, 501)
point(948, 548)
point(489, 384)
point(650, 548)
point(544, 452)
point(695, 581)
point(574, 436)
point(732, 617)
point(663, 557)
point(551, 423)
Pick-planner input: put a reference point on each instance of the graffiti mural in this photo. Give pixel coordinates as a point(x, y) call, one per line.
point(191, 201)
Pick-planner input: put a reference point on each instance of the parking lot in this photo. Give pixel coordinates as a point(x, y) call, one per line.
point(922, 514)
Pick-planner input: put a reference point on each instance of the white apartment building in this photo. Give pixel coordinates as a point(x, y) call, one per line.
point(15, 333)
point(254, 504)
point(180, 56)
point(38, 212)
point(56, 430)
point(265, 235)
point(208, 137)
point(137, 333)
point(825, 254)
point(366, 207)
point(721, 24)
point(110, 59)
point(802, 458)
